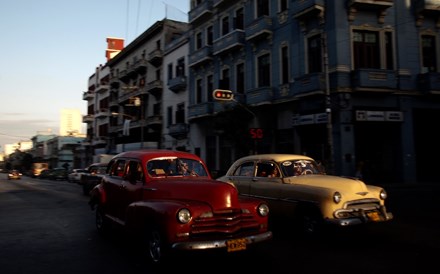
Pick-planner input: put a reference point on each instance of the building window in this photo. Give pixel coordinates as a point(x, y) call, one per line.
point(180, 68)
point(209, 36)
point(262, 8)
point(180, 113)
point(169, 116)
point(284, 65)
point(198, 40)
point(264, 70)
point(224, 81)
point(314, 54)
point(239, 19)
point(239, 85)
point(283, 5)
point(225, 25)
point(209, 87)
point(199, 89)
point(366, 49)
point(429, 56)
point(170, 71)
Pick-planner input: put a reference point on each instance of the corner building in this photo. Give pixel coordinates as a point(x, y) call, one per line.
point(354, 84)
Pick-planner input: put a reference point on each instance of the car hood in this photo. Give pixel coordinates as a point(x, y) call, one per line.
point(342, 184)
point(219, 195)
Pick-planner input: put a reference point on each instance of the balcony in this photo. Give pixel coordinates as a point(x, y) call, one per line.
point(102, 88)
point(376, 79)
point(200, 12)
point(177, 84)
point(88, 118)
point(309, 84)
point(200, 110)
point(229, 42)
point(178, 131)
point(140, 66)
point(124, 76)
point(97, 141)
point(200, 56)
point(155, 87)
point(154, 122)
point(377, 6)
point(426, 8)
point(102, 113)
point(155, 57)
point(259, 29)
point(88, 95)
point(259, 96)
point(114, 82)
point(429, 82)
point(308, 9)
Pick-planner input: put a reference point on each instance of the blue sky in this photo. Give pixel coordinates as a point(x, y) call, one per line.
point(49, 48)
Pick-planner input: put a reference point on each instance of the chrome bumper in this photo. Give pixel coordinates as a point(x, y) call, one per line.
point(215, 244)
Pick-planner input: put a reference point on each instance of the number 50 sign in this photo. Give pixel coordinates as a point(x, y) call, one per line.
point(256, 133)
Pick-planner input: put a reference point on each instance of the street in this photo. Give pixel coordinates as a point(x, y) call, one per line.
point(47, 227)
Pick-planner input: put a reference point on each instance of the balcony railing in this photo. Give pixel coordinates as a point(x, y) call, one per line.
point(308, 8)
point(259, 96)
point(177, 84)
point(201, 56)
point(155, 57)
point(230, 41)
point(309, 83)
point(155, 87)
point(201, 11)
point(379, 79)
point(88, 95)
point(259, 29)
point(88, 118)
point(178, 131)
point(429, 82)
point(200, 110)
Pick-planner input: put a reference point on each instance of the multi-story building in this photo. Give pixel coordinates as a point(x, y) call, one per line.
point(175, 129)
point(137, 89)
point(351, 83)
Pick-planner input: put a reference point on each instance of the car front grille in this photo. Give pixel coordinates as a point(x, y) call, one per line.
point(227, 223)
point(358, 208)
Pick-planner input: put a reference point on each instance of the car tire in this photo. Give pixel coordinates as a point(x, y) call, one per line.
point(102, 223)
point(155, 248)
point(309, 220)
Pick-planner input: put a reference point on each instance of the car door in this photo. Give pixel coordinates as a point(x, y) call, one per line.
point(242, 177)
point(114, 188)
point(132, 185)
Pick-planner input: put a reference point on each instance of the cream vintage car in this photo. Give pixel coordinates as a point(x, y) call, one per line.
point(297, 188)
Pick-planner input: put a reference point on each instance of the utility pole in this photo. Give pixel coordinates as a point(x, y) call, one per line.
point(328, 109)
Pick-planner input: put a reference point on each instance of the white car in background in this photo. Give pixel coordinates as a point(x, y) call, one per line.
point(75, 175)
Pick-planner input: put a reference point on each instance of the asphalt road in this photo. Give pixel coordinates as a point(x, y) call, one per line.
point(47, 227)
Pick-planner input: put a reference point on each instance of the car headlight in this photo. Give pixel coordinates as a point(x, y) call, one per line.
point(263, 210)
point(337, 197)
point(383, 194)
point(184, 216)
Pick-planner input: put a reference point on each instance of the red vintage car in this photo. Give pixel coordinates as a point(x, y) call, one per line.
point(170, 202)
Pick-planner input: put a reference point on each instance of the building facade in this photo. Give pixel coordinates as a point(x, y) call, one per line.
point(353, 84)
point(349, 83)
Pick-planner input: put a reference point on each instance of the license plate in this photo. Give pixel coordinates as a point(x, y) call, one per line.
point(236, 245)
point(374, 216)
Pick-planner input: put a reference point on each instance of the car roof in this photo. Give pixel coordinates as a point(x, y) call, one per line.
point(275, 157)
point(146, 154)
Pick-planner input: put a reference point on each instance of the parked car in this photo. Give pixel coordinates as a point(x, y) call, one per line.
point(297, 188)
point(14, 175)
point(92, 176)
point(75, 175)
point(168, 201)
point(45, 174)
point(58, 173)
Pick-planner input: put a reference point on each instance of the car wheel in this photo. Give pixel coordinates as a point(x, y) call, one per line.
point(155, 248)
point(102, 223)
point(309, 221)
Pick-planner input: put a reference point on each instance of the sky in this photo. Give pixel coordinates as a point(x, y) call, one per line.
point(49, 49)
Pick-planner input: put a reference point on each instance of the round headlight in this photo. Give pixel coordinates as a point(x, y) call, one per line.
point(263, 210)
point(383, 194)
point(337, 197)
point(184, 216)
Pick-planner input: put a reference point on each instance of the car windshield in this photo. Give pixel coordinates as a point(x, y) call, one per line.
point(300, 167)
point(175, 167)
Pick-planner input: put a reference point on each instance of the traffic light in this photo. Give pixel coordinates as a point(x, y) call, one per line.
point(222, 95)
